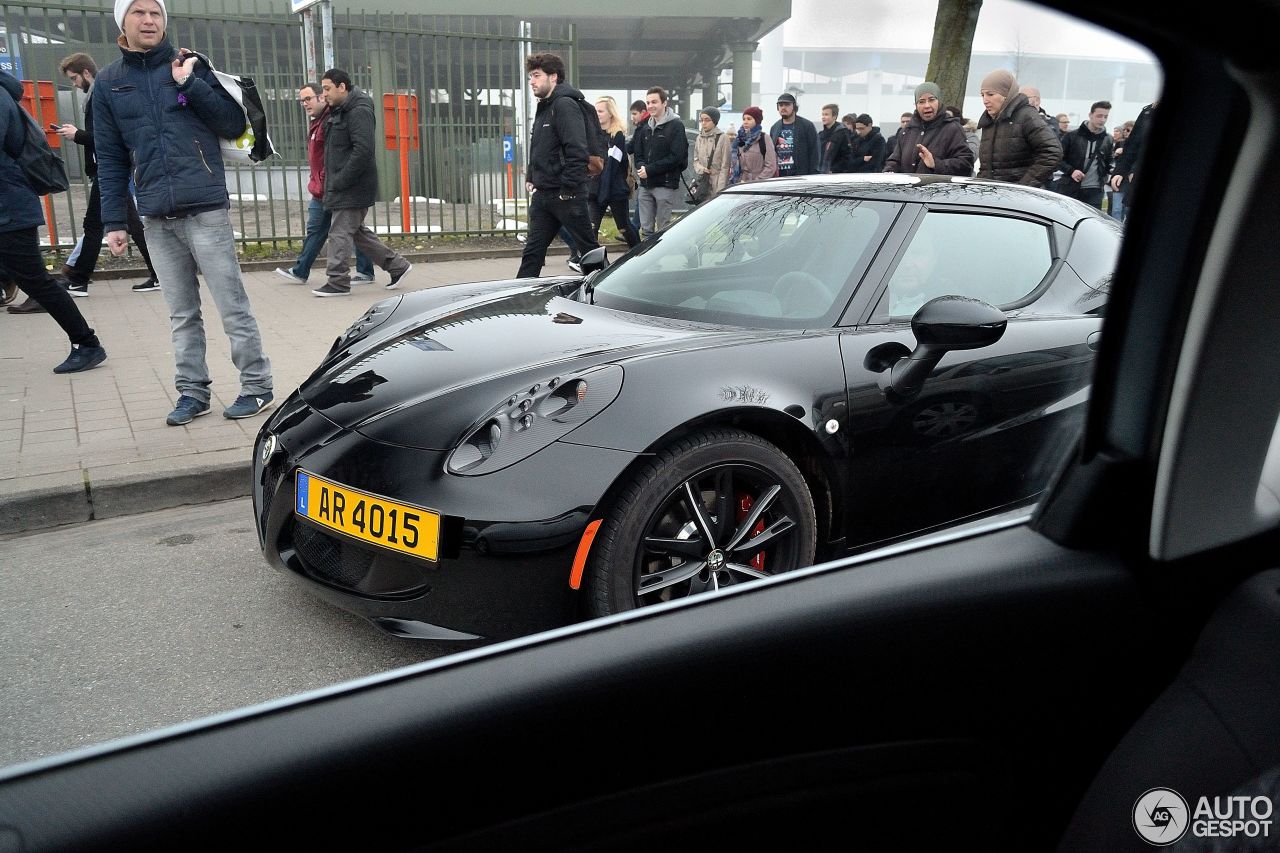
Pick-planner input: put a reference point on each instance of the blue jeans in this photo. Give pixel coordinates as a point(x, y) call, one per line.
point(1117, 205)
point(205, 243)
point(318, 222)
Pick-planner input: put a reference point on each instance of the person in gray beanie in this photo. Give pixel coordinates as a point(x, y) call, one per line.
point(159, 117)
point(711, 153)
point(932, 143)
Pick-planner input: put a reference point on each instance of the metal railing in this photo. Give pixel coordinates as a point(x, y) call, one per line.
point(467, 74)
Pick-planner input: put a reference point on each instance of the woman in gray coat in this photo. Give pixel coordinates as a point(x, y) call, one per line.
point(1016, 146)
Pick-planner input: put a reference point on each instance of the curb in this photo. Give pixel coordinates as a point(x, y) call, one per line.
point(31, 504)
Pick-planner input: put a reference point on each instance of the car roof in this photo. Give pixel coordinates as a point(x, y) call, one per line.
point(940, 189)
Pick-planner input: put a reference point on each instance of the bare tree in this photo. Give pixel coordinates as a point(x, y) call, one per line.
point(952, 45)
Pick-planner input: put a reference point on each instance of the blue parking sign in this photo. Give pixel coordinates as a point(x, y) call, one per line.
point(508, 149)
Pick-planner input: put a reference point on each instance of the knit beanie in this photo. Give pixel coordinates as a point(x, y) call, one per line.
point(928, 88)
point(122, 9)
point(1001, 82)
point(711, 113)
point(756, 113)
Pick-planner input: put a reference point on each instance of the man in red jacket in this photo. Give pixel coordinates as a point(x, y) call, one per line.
point(311, 96)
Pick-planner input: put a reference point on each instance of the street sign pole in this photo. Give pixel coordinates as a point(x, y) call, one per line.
point(309, 44)
point(326, 33)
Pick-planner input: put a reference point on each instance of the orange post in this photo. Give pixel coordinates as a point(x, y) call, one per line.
point(39, 99)
point(400, 132)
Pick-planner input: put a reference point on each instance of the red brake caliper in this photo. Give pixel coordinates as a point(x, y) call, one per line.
point(744, 509)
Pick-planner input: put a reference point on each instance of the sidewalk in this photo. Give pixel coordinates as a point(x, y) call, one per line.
point(95, 445)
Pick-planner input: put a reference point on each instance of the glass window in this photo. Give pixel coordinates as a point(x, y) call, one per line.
point(996, 259)
point(772, 260)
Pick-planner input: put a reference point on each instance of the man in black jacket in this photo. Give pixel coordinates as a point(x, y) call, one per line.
point(869, 147)
point(557, 165)
point(833, 140)
point(1086, 157)
point(795, 140)
point(1125, 171)
point(80, 69)
point(932, 143)
point(351, 184)
point(661, 155)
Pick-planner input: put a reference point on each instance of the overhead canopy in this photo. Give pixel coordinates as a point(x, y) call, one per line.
point(669, 43)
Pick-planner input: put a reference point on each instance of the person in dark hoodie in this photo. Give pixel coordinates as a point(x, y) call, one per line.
point(868, 146)
point(833, 141)
point(557, 165)
point(661, 155)
point(932, 142)
point(1086, 158)
point(1016, 147)
point(351, 184)
point(158, 118)
point(20, 219)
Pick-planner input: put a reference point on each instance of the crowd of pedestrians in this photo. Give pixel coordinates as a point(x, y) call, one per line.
point(580, 168)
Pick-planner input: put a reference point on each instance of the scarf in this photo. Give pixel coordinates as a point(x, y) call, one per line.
point(744, 140)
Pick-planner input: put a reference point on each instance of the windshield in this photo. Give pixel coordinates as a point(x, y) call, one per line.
point(765, 260)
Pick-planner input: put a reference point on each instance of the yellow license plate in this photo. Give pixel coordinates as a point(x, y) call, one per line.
point(408, 529)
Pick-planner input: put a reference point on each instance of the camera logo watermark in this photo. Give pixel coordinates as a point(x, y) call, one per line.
point(1160, 816)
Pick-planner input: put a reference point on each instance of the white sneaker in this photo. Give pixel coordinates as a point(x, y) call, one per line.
point(293, 279)
point(361, 278)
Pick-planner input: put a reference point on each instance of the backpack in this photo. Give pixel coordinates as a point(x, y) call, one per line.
point(43, 168)
point(597, 138)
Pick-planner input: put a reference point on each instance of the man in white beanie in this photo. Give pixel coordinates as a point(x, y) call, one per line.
point(158, 115)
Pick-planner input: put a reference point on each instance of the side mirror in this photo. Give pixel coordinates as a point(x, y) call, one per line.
point(941, 325)
point(596, 259)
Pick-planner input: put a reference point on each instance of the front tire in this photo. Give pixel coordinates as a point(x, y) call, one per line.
point(716, 508)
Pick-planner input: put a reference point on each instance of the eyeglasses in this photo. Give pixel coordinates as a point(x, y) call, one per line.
point(308, 99)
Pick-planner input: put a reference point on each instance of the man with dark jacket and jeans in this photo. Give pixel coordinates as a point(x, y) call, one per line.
point(351, 184)
point(158, 116)
point(1086, 158)
point(868, 145)
point(932, 143)
point(311, 96)
point(81, 70)
point(661, 156)
point(557, 165)
point(20, 219)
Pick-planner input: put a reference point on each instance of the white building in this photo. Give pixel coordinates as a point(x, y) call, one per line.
point(868, 56)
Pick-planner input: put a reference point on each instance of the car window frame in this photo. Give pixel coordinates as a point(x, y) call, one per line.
point(872, 316)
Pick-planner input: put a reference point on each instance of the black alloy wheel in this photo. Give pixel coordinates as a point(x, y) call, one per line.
point(717, 508)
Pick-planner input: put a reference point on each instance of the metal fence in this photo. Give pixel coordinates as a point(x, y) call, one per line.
point(467, 74)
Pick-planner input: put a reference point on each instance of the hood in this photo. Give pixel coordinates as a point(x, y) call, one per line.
point(1084, 131)
point(564, 90)
point(11, 85)
point(427, 376)
point(357, 99)
point(669, 115)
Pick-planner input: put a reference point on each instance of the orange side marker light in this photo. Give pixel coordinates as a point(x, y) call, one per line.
point(584, 548)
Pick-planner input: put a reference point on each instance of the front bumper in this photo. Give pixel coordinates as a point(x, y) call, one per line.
point(507, 539)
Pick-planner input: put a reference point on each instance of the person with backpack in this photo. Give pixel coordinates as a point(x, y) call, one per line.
point(752, 157)
point(561, 146)
point(20, 219)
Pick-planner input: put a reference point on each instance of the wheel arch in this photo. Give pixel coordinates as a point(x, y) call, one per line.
point(822, 473)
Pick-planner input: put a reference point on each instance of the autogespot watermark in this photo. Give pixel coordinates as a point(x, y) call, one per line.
point(1161, 816)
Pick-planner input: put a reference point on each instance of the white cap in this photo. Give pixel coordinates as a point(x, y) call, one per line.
point(122, 8)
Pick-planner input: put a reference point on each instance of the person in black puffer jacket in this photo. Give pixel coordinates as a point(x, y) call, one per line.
point(158, 115)
point(867, 145)
point(1016, 147)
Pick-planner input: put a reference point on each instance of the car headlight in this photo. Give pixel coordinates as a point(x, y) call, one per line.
point(377, 314)
point(532, 418)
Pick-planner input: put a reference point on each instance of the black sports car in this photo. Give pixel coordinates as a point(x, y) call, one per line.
point(797, 369)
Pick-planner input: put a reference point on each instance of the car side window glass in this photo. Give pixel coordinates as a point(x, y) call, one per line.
point(997, 259)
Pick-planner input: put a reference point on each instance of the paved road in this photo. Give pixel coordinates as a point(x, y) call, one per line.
point(113, 628)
